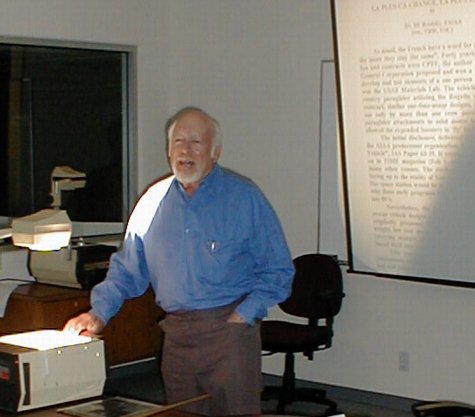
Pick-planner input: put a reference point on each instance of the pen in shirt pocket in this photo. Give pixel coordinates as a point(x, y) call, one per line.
point(212, 245)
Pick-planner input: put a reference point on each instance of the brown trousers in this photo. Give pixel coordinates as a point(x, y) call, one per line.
point(204, 354)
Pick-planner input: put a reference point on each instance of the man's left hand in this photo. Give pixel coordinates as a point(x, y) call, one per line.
point(235, 318)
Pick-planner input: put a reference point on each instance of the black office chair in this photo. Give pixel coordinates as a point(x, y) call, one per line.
point(317, 293)
point(443, 409)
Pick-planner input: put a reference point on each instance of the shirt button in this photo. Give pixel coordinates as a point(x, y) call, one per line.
point(187, 230)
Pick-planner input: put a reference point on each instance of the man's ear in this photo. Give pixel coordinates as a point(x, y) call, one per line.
point(216, 154)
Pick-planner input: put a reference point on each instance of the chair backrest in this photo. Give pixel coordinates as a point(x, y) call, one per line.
point(317, 288)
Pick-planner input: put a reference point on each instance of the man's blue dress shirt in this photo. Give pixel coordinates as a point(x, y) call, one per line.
point(222, 244)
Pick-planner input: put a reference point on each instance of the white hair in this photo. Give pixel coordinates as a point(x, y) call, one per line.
point(217, 131)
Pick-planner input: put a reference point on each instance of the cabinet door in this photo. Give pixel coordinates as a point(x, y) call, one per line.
point(134, 334)
point(37, 306)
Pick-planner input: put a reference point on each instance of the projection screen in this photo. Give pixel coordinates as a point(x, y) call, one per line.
point(406, 101)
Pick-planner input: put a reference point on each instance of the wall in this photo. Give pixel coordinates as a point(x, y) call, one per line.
point(140, 23)
point(256, 66)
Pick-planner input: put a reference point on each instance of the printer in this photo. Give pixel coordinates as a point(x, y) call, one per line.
point(46, 367)
point(80, 265)
point(55, 257)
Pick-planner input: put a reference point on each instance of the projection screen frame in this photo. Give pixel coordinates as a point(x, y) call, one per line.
point(391, 7)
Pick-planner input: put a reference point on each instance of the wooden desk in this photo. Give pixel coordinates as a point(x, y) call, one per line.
point(51, 412)
point(131, 335)
point(167, 411)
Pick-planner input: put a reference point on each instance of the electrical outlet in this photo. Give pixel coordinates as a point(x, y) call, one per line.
point(404, 361)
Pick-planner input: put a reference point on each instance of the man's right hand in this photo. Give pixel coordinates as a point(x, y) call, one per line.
point(86, 322)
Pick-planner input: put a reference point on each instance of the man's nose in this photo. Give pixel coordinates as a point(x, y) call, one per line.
point(185, 147)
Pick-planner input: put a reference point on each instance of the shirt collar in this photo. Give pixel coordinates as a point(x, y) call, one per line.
point(206, 182)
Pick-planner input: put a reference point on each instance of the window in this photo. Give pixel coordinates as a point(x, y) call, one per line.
point(65, 106)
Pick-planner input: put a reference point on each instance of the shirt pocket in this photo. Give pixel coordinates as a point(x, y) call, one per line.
point(220, 256)
point(221, 251)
